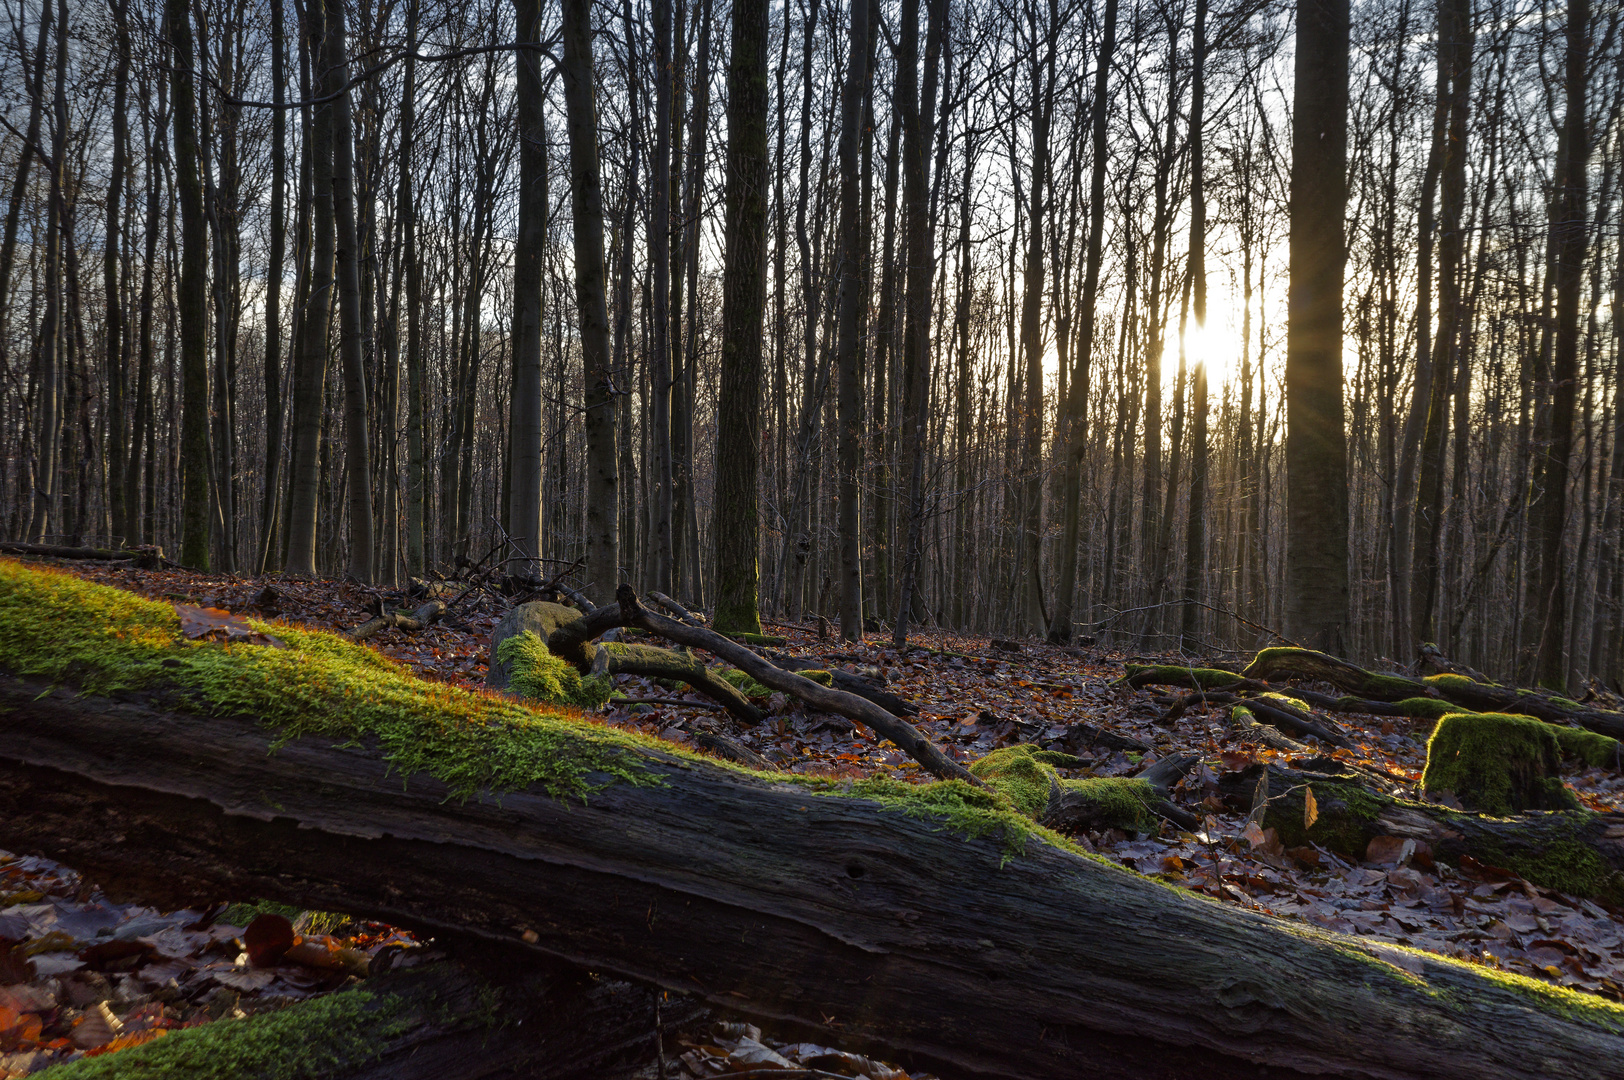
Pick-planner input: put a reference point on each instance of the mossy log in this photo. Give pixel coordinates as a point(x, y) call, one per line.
point(1575, 851)
point(428, 1023)
point(652, 662)
point(1195, 678)
point(559, 629)
point(1027, 776)
point(1294, 663)
point(878, 922)
point(930, 923)
point(630, 612)
point(425, 616)
point(1496, 763)
point(851, 684)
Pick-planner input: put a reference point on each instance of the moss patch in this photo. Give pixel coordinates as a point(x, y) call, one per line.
point(1020, 777)
point(537, 674)
point(319, 1037)
point(1173, 675)
point(1426, 708)
point(757, 639)
point(59, 628)
point(1589, 747)
point(743, 683)
point(1496, 763)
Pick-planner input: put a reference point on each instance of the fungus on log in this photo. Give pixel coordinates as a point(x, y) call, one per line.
point(932, 922)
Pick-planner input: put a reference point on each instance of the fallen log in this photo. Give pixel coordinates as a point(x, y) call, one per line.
point(930, 922)
point(570, 640)
point(851, 684)
point(1574, 851)
point(425, 616)
point(1294, 663)
point(427, 1023)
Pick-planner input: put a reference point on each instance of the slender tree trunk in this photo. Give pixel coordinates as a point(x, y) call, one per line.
point(852, 300)
point(310, 362)
point(525, 408)
point(659, 254)
point(1455, 83)
point(586, 199)
point(191, 294)
point(1077, 408)
point(744, 296)
point(273, 296)
point(1568, 216)
point(113, 342)
point(1195, 536)
point(918, 132)
point(1316, 443)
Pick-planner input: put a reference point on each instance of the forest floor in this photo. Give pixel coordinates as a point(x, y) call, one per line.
point(150, 971)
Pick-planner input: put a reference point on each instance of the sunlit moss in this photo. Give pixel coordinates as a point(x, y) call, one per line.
point(1497, 763)
point(537, 674)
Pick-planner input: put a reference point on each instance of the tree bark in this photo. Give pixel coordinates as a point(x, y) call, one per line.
point(357, 447)
point(785, 903)
point(744, 299)
point(586, 200)
point(525, 406)
point(191, 295)
point(1316, 443)
point(853, 298)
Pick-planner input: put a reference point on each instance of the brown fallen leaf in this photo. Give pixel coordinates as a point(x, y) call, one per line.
point(1310, 808)
point(267, 938)
point(215, 624)
point(328, 954)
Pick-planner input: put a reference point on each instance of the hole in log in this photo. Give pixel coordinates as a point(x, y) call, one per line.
point(854, 870)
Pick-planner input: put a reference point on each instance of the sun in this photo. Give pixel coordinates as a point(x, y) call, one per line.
point(1217, 344)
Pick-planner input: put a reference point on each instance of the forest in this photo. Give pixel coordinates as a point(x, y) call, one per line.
point(822, 540)
point(1022, 274)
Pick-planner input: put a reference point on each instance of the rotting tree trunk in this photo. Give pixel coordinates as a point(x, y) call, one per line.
point(1571, 850)
point(1273, 664)
point(776, 899)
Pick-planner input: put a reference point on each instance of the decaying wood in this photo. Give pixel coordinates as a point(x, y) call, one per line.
point(570, 641)
point(851, 684)
point(425, 616)
point(675, 608)
point(1273, 664)
point(885, 929)
point(1346, 825)
point(546, 1022)
point(650, 662)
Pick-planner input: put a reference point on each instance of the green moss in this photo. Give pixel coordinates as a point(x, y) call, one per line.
point(58, 628)
point(1029, 781)
point(1426, 708)
point(243, 914)
point(743, 683)
point(1014, 772)
point(1446, 683)
point(757, 639)
point(538, 675)
point(1496, 763)
point(1589, 747)
point(1346, 822)
point(314, 1038)
point(1174, 675)
point(819, 676)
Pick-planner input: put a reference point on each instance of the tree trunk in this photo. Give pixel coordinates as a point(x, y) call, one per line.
point(273, 298)
point(357, 448)
point(586, 200)
point(1316, 444)
point(191, 294)
point(853, 299)
point(310, 361)
point(1568, 218)
point(990, 960)
point(525, 407)
point(744, 299)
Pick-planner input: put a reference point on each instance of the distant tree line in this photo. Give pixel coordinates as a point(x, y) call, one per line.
point(1170, 322)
